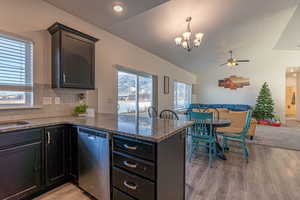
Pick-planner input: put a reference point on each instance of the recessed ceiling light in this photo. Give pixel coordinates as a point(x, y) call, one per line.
point(118, 8)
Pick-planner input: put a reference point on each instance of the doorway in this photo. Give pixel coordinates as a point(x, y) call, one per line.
point(291, 92)
point(135, 92)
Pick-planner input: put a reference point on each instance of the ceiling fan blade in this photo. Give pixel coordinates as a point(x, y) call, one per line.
point(223, 64)
point(243, 61)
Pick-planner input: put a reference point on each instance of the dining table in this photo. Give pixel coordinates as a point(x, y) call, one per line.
point(216, 123)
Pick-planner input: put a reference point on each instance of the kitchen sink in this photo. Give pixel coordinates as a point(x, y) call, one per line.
point(4, 125)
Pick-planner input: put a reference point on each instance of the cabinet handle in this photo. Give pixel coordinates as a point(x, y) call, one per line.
point(64, 77)
point(48, 137)
point(131, 186)
point(126, 163)
point(130, 147)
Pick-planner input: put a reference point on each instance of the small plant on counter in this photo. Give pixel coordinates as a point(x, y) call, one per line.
point(80, 110)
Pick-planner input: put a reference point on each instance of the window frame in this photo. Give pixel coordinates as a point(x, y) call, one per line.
point(175, 101)
point(27, 87)
point(120, 68)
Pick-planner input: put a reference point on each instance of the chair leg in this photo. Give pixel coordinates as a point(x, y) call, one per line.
point(210, 155)
point(193, 147)
point(215, 149)
point(245, 151)
point(224, 144)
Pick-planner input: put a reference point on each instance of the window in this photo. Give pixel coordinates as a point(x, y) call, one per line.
point(182, 95)
point(135, 92)
point(16, 88)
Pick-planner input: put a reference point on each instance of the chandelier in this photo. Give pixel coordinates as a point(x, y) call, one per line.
point(186, 41)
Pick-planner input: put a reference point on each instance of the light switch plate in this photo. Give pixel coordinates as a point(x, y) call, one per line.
point(57, 100)
point(47, 100)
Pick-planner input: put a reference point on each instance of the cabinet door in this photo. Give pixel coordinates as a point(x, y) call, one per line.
point(73, 154)
point(20, 171)
point(55, 155)
point(77, 62)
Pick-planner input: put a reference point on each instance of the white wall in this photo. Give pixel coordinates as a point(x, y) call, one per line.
point(31, 18)
point(255, 41)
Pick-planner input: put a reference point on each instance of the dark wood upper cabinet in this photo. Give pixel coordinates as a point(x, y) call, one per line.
point(73, 58)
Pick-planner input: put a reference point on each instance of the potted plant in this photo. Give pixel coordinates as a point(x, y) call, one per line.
point(80, 110)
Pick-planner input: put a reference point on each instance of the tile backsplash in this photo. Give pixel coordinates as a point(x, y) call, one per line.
point(50, 102)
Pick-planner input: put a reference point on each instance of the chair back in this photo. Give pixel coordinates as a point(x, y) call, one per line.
point(203, 123)
point(247, 123)
point(152, 112)
point(215, 111)
point(168, 114)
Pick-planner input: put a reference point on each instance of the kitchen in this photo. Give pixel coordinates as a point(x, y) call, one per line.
point(47, 121)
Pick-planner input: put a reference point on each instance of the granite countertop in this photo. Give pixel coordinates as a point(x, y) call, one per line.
point(151, 129)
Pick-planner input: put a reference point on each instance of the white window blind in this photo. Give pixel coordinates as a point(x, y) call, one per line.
point(182, 95)
point(15, 71)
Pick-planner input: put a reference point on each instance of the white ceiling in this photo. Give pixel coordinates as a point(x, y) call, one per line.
point(153, 24)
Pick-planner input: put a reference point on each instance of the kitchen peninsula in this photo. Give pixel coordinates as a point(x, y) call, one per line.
point(116, 157)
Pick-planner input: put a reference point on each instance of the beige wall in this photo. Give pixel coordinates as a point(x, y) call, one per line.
point(31, 18)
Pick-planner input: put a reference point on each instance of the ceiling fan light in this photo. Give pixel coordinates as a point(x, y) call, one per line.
point(178, 40)
point(186, 35)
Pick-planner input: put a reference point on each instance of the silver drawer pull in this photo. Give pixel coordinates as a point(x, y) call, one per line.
point(48, 137)
point(126, 163)
point(131, 186)
point(130, 147)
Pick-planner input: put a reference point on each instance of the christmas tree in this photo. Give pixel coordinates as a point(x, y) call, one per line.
point(264, 104)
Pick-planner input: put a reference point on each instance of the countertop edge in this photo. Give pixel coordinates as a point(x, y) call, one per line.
point(151, 139)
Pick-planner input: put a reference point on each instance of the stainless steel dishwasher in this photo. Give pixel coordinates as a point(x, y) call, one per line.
point(94, 170)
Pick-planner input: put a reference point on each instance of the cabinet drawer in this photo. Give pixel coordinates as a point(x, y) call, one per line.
point(133, 185)
point(15, 138)
point(117, 195)
point(142, 149)
point(132, 164)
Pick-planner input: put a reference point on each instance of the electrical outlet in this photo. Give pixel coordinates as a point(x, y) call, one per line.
point(57, 100)
point(47, 100)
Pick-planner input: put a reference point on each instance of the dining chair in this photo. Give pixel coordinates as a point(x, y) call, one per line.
point(168, 114)
point(238, 137)
point(215, 112)
point(202, 135)
point(152, 112)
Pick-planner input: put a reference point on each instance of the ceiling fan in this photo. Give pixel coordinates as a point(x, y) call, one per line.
point(231, 62)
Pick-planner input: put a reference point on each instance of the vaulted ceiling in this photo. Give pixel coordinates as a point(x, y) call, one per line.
point(153, 24)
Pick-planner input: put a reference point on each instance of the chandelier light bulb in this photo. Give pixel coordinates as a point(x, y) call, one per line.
point(184, 44)
point(197, 42)
point(199, 36)
point(178, 40)
point(189, 41)
point(186, 35)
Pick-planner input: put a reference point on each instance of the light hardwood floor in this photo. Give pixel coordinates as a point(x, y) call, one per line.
point(271, 174)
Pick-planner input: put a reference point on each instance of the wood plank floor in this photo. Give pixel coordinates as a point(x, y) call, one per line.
point(271, 174)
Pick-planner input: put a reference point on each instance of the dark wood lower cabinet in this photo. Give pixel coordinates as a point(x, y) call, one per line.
point(158, 174)
point(55, 154)
point(35, 160)
point(21, 166)
point(73, 153)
